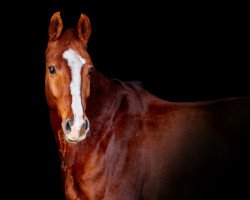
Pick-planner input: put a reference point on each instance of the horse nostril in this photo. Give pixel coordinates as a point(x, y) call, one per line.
point(68, 125)
point(86, 125)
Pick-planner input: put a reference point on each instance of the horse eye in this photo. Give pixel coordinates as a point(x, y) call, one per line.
point(52, 70)
point(90, 71)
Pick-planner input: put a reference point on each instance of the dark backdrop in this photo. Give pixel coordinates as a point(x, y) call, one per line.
point(180, 52)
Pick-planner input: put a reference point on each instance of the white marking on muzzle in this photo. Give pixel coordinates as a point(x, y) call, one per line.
point(75, 62)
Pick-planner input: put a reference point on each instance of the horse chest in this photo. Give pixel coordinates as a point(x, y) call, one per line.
point(100, 183)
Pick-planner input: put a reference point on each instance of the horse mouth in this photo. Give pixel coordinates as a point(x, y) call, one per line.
point(73, 134)
point(74, 140)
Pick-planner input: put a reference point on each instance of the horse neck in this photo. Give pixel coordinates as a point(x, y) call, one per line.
point(101, 98)
point(107, 100)
point(107, 97)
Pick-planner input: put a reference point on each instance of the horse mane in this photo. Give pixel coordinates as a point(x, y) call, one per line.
point(132, 95)
point(136, 85)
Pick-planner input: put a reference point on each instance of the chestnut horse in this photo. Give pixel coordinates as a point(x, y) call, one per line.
point(119, 142)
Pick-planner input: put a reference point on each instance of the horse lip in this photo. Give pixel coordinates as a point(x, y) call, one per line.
point(76, 140)
point(72, 141)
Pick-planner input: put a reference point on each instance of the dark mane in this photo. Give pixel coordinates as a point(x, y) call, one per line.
point(132, 96)
point(136, 85)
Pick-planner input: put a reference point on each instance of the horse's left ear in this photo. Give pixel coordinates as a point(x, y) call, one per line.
point(84, 28)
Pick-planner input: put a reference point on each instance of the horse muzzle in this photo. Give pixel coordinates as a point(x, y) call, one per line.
point(75, 132)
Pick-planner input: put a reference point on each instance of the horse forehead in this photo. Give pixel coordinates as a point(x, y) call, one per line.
point(74, 58)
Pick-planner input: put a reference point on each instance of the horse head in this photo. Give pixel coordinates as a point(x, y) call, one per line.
point(67, 79)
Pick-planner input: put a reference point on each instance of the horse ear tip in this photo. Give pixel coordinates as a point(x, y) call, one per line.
point(82, 16)
point(56, 14)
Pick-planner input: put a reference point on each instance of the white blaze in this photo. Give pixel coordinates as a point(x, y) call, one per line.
point(75, 62)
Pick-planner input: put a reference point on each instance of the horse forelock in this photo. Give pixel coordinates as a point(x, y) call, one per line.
point(67, 39)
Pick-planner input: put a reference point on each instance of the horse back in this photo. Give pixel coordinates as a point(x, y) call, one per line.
point(196, 150)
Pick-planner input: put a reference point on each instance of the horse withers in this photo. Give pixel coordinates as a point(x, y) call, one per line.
point(117, 141)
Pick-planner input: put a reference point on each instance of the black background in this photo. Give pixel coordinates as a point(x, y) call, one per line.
point(180, 52)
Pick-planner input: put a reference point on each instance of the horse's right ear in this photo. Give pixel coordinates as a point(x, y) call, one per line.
point(55, 27)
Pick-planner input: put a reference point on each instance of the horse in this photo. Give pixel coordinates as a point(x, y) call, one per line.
point(118, 141)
